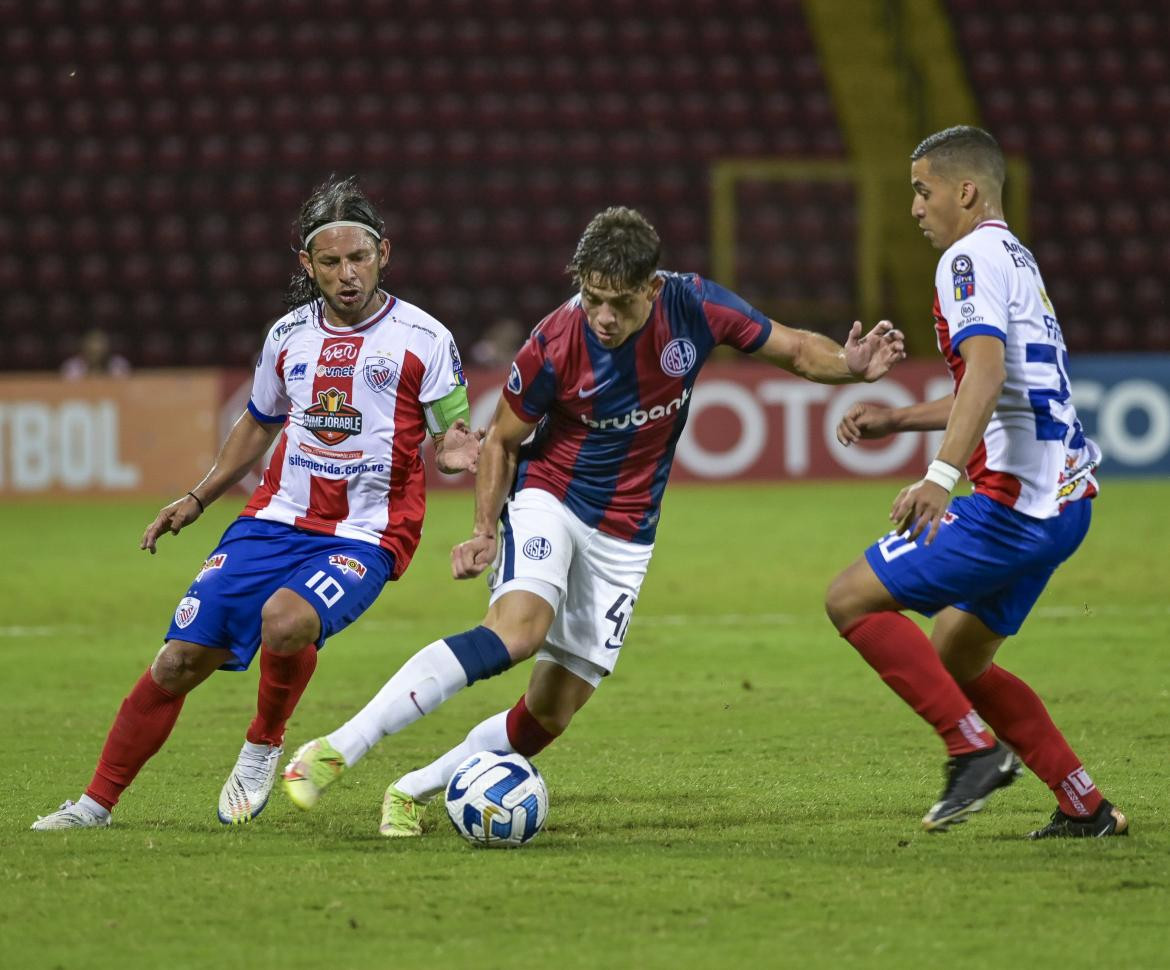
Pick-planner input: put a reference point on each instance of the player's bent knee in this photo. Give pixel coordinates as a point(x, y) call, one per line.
point(522, 621)
point(179, 666)
point(841, 605)
point(288, 623)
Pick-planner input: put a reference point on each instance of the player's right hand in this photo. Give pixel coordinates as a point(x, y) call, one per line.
point(865, 421)
point(171, 518)
point(470, 558)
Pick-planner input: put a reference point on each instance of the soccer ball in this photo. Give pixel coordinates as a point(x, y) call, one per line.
point(497, 799)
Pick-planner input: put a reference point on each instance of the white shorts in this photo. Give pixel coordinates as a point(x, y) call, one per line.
point(590, 579)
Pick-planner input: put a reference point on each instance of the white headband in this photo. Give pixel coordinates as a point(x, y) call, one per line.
point(338, 225)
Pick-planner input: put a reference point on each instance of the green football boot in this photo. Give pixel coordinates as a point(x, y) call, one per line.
point(314, 767)
point(401, 815)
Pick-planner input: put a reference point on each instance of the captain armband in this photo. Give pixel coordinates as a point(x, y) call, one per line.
point(444, 412)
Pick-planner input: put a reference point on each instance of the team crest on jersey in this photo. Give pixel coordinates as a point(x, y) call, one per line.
point(186, 612)
point(678, 357)
point(379, 372)
point(457, 365)
point(347, 564)
point(332, 420)
point(298, 372)
point(212, 562)
point(538, 547)
point(515, 385)
point(963, 277)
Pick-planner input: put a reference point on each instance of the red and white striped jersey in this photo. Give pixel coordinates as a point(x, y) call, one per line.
point(1034, 456)
point(351, 400)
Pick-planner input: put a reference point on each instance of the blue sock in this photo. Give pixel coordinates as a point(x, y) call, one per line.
point(481, 653)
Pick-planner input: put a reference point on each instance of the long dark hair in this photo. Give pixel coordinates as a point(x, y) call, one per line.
point(332, 201)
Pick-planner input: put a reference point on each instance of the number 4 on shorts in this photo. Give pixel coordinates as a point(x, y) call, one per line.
point(619, 614)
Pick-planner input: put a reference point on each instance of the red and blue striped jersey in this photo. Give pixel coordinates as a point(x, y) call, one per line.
point(609, 419)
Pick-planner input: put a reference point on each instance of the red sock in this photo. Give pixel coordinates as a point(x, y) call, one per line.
point(1018, 716)
point(525, 733)
point(906, 660)
point(283, 679)
point(143, 724)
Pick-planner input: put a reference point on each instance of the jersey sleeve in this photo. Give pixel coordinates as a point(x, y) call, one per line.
point(270, 403)
point(733, 321)
point(532, 382)
point(443, 372)
point(972, 294)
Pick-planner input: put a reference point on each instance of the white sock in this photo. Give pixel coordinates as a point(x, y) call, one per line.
point(426, 783)
point(255, 752)
point(427, 679)
point(94, 808)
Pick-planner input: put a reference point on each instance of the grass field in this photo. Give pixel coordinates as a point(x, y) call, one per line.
point(743, 792)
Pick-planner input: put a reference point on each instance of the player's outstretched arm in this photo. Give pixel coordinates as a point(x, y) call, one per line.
point(919, 508)
point(817, 358)
point(869, 421)
point(497, 469)
point(241, 449)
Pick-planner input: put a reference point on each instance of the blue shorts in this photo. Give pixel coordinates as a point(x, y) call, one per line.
point(255, 558)
point(987, 559)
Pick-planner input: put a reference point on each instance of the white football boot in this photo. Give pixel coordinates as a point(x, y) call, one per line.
point(70, 816)
point(246, 791)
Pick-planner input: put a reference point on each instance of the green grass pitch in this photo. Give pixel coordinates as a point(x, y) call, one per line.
point(743, 792)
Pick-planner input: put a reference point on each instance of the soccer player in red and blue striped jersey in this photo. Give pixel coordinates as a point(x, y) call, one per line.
point(567, 520)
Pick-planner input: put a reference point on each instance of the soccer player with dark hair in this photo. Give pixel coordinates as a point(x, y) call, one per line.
point(979, 561)
point(603, 386)
point(348, 381)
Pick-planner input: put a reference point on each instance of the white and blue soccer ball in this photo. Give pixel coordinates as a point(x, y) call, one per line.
point(497, 799)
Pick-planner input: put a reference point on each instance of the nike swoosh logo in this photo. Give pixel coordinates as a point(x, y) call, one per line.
point(583, 393)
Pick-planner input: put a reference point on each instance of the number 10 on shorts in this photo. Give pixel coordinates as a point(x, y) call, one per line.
point(325, 586)
point(896, 544)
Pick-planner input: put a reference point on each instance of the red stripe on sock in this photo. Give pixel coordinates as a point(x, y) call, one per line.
point(141, 727)
point(1016, 713)
point(525, 733)
point(283, 679)
point(906, 660)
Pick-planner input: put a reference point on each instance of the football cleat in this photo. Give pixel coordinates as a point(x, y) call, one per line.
point(246, 791)
point(70, 816)
point(314, 767)
point(971, 778)
point(1107, 820)
point(401, 814)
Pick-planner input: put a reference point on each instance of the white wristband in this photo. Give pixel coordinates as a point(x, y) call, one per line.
point(942, 474)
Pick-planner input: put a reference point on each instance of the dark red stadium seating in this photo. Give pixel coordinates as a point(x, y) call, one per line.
point(154, 153)
point(1082, 90)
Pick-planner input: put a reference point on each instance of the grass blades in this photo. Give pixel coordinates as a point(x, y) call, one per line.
point(743, 791)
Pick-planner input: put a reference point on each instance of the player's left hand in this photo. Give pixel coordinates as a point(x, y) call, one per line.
point(171, 518)
point(458, 449)
point(470, 558)
point(920, 507)
point(871, 356)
